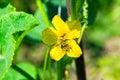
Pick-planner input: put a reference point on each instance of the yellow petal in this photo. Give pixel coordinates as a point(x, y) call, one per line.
point(57, 53)
point(60, 25)
point(73, 34)
point(49, 36)
point(74, 24)
point(75, 50)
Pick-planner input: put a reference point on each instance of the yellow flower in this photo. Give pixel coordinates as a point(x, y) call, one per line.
point(65, 41)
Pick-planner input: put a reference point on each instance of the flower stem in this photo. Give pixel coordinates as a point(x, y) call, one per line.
point(80, 65)
point(76, 5)
point(82, 31)
point(45, 62)
point(60, 70)
point(73, 9)
point(85, 14)
point(29, 77)
point(49, 67)
point(43, 13)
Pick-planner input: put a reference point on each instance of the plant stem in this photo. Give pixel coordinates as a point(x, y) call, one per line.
point(85, 14)
point(43, 13)
point(80, 65)
point(60, 70)
point(73, 9)
point(68, 7)
point(37, 75)
point(45, 62)
point(82, 31)
point(49, 67)
point(29, 77)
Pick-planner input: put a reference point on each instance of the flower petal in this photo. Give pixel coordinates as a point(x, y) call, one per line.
point(73, 34)
point(74, 24)
point(57, 53)
point(75, 50)
point(60, 25)
point(49, 36)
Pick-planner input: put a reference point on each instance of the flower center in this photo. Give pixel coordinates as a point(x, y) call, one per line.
point(63, 43)
point(65, 46)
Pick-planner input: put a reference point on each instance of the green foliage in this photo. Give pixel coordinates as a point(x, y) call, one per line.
point(3, 4)
point(75, 9)
point(92, 11)
point(61, 66)
point(29, 68)
point(12, 22)
point(5, 10)
point(36, 33)
point(105, 26)
point(57, 2)
point(109, 67)
point(52, 9)
point(15, 25)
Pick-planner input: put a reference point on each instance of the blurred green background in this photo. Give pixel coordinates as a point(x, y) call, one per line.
point(101, 39)
point(102, 42)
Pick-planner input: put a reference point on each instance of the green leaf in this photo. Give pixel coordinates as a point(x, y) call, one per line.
point(5, 10)
point(36, 33)
point(79, 5)
point(57, 2)
point(92, 11)
point(29, 68)
point(3, 4)
point(11, 23)
point(49, 37)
